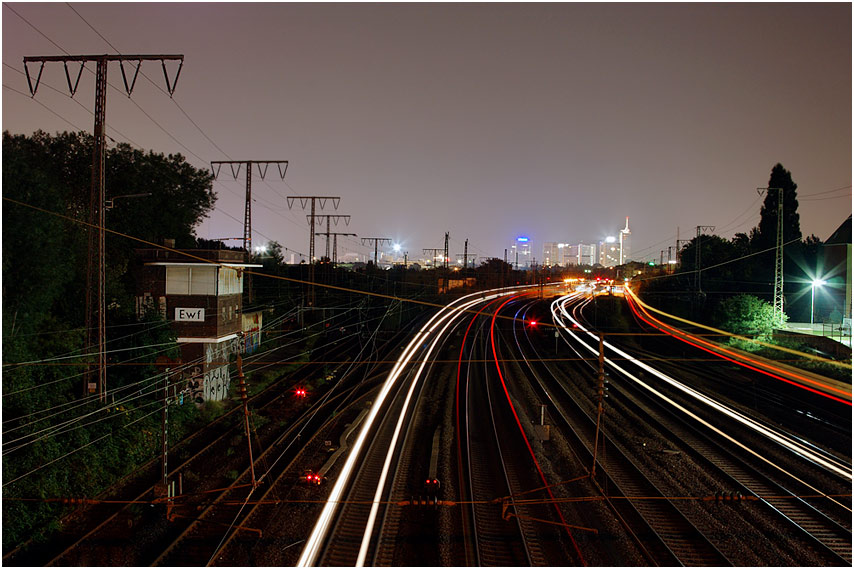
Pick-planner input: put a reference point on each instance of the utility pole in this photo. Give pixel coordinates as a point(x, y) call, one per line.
point(778, 261)
point(435, 252)
point(600, 395)
point(466, 255)
point(446, 251)
point(335, 219)
point(698, 280)
point(245, 399)
point(334, 257)
point(96, 323)
point(304, 201)
point(236, 165)
point(377, 241)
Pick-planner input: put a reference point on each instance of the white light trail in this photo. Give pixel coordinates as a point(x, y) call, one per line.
point(321, 527)
point(837, 467)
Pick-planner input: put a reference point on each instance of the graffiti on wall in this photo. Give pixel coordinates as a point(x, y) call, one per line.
point(216, 380)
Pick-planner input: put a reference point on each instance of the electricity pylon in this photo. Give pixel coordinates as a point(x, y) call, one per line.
point(778, 261)
point(305, 200)
point(96, 322)
point(216, 165)
point(377, 241)
point(334, 257)
point(327, 233)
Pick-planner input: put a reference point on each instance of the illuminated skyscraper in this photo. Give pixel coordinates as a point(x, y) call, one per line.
point(520, 253)
point(609, 252)
point(625, 243)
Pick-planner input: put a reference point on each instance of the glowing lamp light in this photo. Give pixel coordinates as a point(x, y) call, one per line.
point(396, 247)
point(610, 239)
point(815, 284)
point(522, 239)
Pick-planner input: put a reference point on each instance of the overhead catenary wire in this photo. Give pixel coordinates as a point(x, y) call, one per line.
point(155, 387)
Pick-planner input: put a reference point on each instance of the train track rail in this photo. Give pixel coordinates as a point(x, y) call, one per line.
point(814, 530)
point(495, 539)
point(659, 527)
point(824, 525)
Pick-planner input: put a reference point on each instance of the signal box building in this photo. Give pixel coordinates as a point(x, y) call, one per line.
point(200, 294)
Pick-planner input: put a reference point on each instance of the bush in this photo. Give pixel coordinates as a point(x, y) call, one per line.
point(747, 315)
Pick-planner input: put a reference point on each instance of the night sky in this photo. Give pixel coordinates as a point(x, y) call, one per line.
point(487, 120)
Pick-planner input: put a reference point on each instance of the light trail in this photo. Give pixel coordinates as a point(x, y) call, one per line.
point(321, 528)
point(829, 463)
point(824, 388)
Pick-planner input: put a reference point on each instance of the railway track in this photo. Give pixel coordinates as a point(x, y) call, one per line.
point(496, 541)
point(106, 525)
point(658, 526)
point(813, 530)
point(824, 525)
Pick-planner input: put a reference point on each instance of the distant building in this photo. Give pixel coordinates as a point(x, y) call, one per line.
point(833, 301)
point(520, 253)
point(609, 252)
point(625, 243)
point(586, 254)
point(559, 254)
point(200, 294)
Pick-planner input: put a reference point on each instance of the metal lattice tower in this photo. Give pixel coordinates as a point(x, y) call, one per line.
point(377, 241)
point(96, 326)
point(435, 253)
point(698, 276)
point(305, 200)
point(334, 235)
point(335, 219)
point(216, 165)
point(778, 261)
point(445, 260)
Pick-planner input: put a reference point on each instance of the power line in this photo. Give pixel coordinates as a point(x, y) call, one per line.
point(151, 81)
point(35, 28)
point(848, 187)
point(45, 107)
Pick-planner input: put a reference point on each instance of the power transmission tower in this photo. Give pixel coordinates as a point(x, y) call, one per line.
point(698, 280)
point(446, 251)
point(334, 257)
point(96, 323)
point(435, 252)
point(305, 200)
point(778, 261)
point(216, 165)
point(377, 241)
point(327, 233)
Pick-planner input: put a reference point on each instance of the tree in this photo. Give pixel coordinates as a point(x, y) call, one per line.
point(54, 173)
point(746, 315)
point(44, 269)
point(766, 237)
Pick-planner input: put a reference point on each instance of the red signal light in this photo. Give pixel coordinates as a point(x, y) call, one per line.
point(532, 323)
point(300, 392)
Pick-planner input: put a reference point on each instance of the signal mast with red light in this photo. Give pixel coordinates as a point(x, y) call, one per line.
point(300, 392)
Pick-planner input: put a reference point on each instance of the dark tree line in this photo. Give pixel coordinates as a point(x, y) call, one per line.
point(44, 278)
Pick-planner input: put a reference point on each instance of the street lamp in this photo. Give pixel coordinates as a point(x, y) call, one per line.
point(815, 283)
